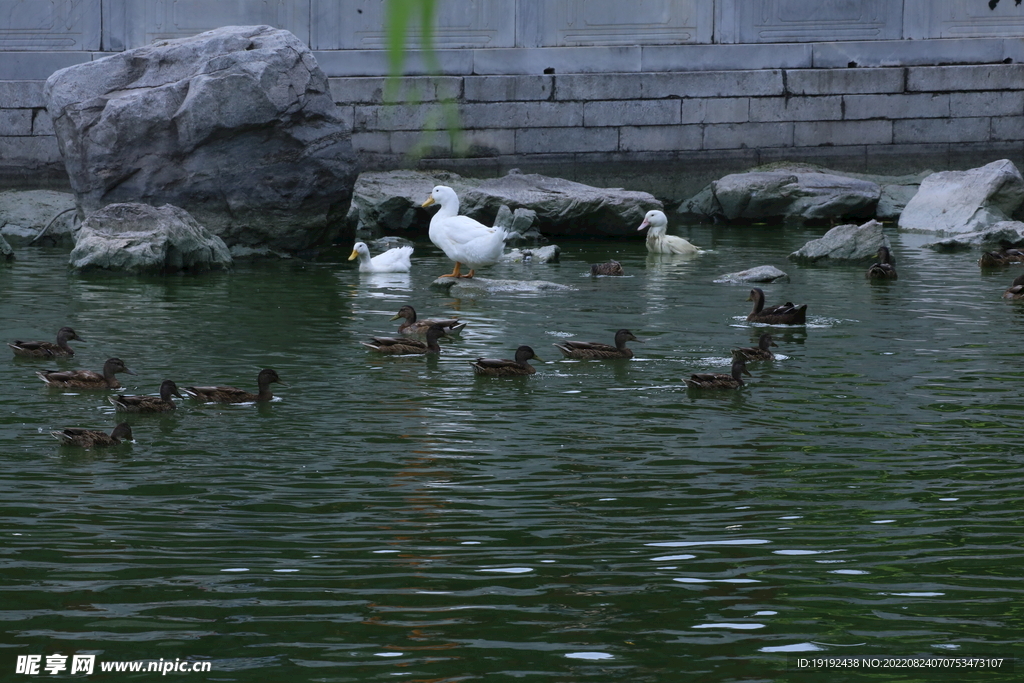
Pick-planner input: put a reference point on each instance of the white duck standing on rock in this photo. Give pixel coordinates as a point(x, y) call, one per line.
point(658, 241)
point(395, 260)
point(464, 240)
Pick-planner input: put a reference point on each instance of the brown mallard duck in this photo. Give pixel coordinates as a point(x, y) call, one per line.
point(717, 380)
point(783, 314)
point(1016, 289)
point(884, 269)
point(233, 395)
point(88, 438)
point(414, 326)
point(45, 349)
point(609, 268)
point(147, 404)
point(502, 367)
point(597, 350)
point(1007, 254)
point(762, 352)
point(403, 345)
point(86, 379)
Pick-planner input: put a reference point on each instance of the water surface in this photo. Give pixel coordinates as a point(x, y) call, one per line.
point(398, 517)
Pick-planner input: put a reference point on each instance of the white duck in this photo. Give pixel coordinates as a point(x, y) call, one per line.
point(391, 261)
point(461, 238)
point(660, 243)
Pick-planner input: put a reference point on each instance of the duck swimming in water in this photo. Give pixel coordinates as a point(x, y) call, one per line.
point(86, 379)
point(89, 438)
point(717, 380)
point(412, 325)
point(783, 314)
point(405, 346)
point(502, 367)
point(45, 349)
point(658, 239)
point(597, 350)
point(266, 377)
point(884, 269)
point(395, 260)
point(608, 268)
point(1016, 289)
point(148, 404)
point(763, 350)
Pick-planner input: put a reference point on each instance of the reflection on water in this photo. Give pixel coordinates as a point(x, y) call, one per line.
point(399, 516)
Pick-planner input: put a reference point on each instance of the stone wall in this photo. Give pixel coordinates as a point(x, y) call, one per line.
point(662, 95)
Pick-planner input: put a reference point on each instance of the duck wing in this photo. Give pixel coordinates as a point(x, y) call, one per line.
point(397, 260)
point(71, 376)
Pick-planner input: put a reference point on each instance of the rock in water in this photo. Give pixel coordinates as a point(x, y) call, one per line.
point(236, 125)
point(844, 243)
point(954, 202)
point(138, 238)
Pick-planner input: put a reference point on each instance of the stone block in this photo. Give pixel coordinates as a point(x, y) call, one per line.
point(426, 143)
point(508, 88)
point(371, 142)
point(337, 64)
point(357, 24)
point(941, 130)
point(712, 84)
point(42, 124)
point(960, 78)
point(728, 110)
point(554, 140)
point(844, 81)
point(791, 21)
point(488, 143)
point(15, 122)
point(748, 135)
point(561, 23)
point(522, 115)
point(135, 23)
point(916, 106)
point(376, 89)
point(53, 25)
point(840, 55)
point(22, 94)
point(660, 138)
point(693, 110)
point(638, 113)
point(796, 108)
point(839, 133)
point(603, 87)
point(1008, 128)
point(998, 103)
point(557, 60)
point(36, 151)
point(726, 57)
point(961, 18)
point(37, 66)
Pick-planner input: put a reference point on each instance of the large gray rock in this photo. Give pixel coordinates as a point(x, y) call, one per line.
point(844, 243)
point(235, 125)
point(1003, 232)
point(952, 202)
point(24, 214)
point(390, 201)
point(6, 252)
point(755, 274)
point(791, 195)
point(138, 238)
point(562, 207)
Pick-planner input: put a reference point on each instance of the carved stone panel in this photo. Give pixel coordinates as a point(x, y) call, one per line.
point(361, 25)
point(963, 19)
point(791, 21)
point(42, 25)
point(571, 23)
point(134, 23)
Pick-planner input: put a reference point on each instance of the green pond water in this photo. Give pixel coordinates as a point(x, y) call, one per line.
point(400, 519)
